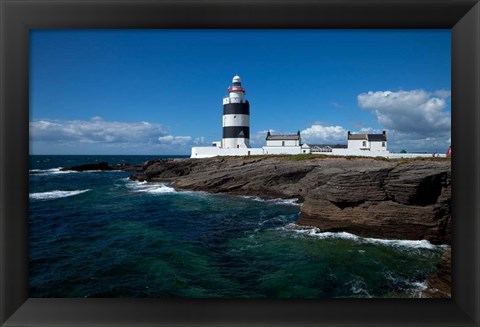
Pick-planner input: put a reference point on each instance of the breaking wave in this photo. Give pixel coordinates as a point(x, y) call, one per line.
point(317, 233)
point(54, 171)
point(55, 194)
point(51, 171)
point(274, 201)
point(152, 188)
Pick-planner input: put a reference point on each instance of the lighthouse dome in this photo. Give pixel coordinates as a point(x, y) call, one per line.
point(236, 79)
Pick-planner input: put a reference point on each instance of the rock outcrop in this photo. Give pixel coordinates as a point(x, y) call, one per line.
point(396, 199)
point(87, 167)
point(104, 166)
point(439, 284)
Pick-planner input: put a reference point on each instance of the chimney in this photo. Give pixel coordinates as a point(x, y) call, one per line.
point(384, 132)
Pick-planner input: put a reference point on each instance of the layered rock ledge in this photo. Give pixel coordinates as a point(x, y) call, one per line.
point(395, 199)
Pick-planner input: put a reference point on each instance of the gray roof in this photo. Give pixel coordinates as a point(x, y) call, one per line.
point(281, 137)
point(333, 146)
point(377, 137)
point(370, 137)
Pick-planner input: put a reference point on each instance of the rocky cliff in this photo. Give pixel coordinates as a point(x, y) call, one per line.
point(396, 199)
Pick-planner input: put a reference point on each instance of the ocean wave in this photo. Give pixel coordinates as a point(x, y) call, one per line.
point(293, 201)
point(317, 233)
point(275, 219)
point(54, 171)
point(152, 188)
point(50, 171)
point(55, 194)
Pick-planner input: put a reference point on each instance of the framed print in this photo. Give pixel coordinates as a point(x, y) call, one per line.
point(96, 230)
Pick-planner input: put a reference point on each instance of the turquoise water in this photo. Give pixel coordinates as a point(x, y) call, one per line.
point(98, 234)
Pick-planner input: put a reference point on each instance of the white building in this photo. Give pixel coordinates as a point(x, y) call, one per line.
point(283, 144)
point(283, 139)
point(367, 142)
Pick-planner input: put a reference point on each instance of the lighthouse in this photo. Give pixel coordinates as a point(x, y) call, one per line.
point(236, 117)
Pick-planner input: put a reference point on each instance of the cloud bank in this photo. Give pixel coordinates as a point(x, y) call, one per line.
point(97, 135)
point(416, 120)
point(415, 111)
point(318, 134)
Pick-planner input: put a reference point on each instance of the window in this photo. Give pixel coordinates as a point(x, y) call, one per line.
point(283, 143)
point(383, 144)
point(364, 143)
point(304, 151)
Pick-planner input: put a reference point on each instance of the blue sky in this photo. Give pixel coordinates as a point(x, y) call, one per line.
point(160, 91)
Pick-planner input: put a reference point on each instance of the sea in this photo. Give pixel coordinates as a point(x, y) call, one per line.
point(97, 234)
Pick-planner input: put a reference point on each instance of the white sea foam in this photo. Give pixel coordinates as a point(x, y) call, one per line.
point(54, 171)
point(317, 233)
point(279, 218)
point(50, 171)
point(276, 201)
point(420, 287)
point(152, 188)
point(55, 194)
point(359, 287)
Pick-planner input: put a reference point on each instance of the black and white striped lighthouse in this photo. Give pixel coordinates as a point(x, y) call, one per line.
point(236, 117)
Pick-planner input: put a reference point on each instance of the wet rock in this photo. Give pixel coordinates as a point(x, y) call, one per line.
point(86, 167)
point(439, 285)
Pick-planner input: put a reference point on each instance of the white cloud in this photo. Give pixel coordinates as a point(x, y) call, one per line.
point(258, 138)
point(324, 134)
point(443, 93)
point(100, 136)
point(415, 111)
point(337, 105)
point(95, 130)
point(369, 130)
point(199, 141)
point(174, 140)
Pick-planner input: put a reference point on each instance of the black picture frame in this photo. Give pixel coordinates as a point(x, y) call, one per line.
point(17, 17)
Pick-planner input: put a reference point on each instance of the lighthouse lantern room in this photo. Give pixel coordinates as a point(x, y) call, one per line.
point(236, 117)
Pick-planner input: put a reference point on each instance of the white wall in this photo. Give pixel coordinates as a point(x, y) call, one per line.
point(207, 152)
point(282, 150)
point(377, 146)
point(357, 144)
point(231, 143)
point(279, 143)
point(415, 155)
point(385, 154)
point(355, 152)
